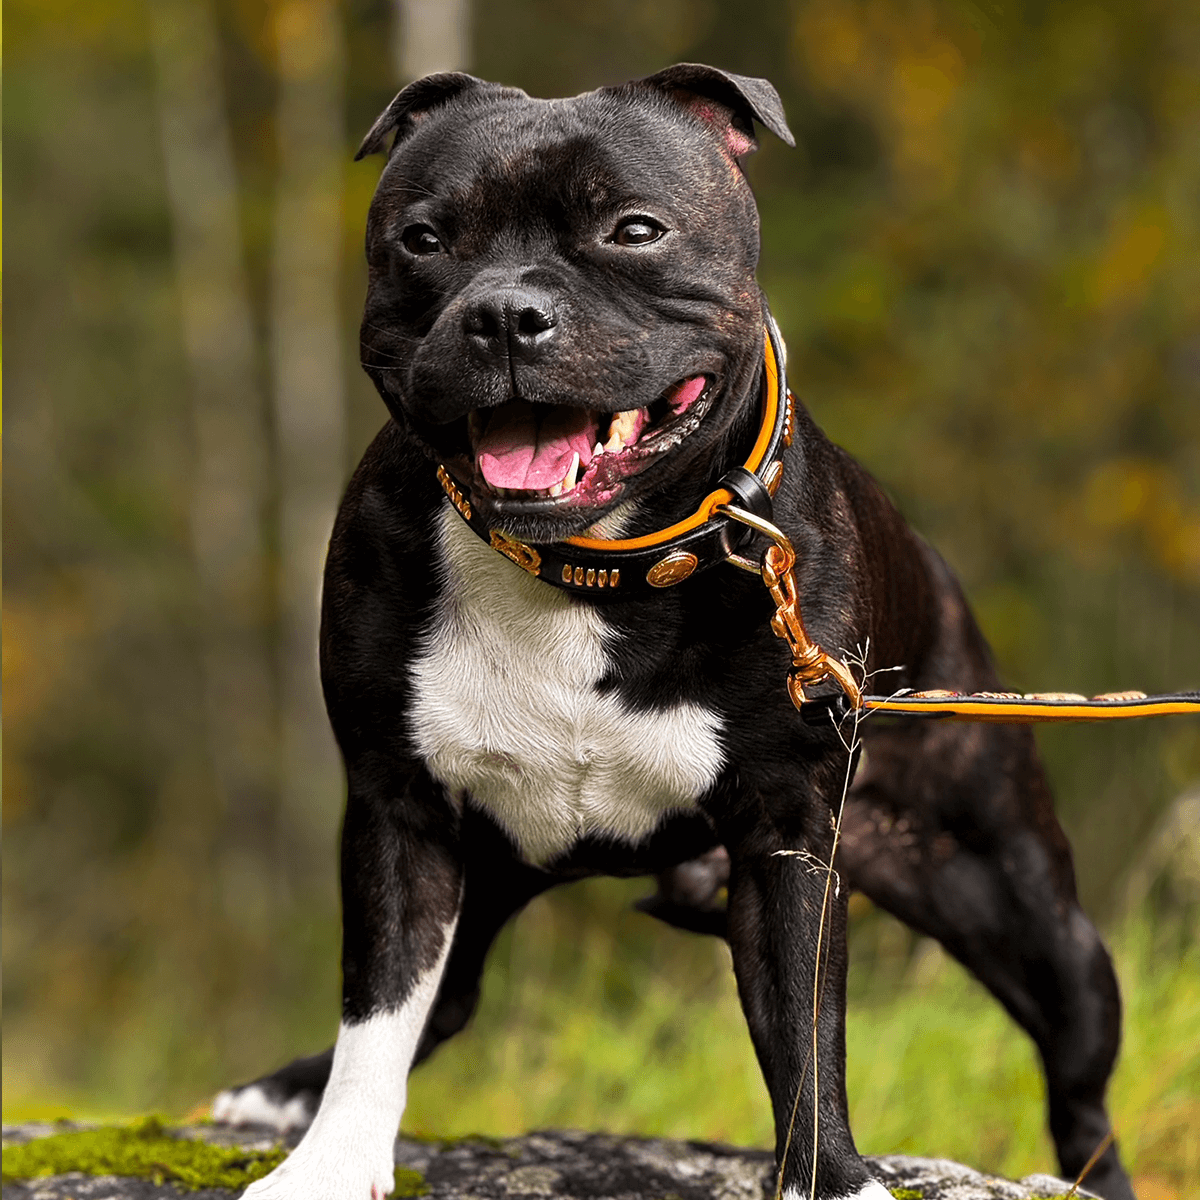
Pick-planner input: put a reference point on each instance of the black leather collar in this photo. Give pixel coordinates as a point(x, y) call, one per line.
point(632, 566)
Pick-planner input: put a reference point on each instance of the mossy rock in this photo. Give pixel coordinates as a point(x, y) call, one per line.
point(143, 1151)
point(409, 1183)
point(210, 1163)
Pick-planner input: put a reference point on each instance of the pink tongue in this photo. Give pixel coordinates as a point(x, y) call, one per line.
point(527, 449)
point(687, 393)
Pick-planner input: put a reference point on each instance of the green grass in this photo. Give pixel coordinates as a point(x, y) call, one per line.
point(618, 1024)
point(621, 1026)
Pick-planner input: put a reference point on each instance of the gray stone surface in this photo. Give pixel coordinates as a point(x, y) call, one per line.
point(569, 1165)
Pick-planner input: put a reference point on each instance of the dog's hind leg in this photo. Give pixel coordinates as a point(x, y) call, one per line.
point(284, 1100)
point(952, 829)
point(692, 894)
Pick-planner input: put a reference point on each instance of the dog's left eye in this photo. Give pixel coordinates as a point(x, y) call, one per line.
point(637, 231)
point(421, 240)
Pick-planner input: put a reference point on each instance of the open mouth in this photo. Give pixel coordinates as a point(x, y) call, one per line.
point(546, 454)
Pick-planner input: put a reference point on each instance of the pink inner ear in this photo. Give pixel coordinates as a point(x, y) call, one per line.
point(737, 143)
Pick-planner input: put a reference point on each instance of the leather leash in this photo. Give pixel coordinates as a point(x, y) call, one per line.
point(1006, 707)
point(711, 535)
point(812, 665)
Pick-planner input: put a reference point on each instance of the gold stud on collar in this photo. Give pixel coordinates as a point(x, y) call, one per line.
point(789, 427)
point(773, 477)
point(587, 577)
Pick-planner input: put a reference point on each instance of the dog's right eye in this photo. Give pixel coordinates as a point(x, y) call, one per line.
point(421, 240)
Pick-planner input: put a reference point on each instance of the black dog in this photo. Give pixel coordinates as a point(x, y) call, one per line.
point(539, 665)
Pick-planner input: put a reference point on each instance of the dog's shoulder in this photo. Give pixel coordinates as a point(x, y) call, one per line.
point(379, 590)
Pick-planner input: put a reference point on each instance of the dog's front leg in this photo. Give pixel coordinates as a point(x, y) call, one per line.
point(401, 890)
point(776, 902)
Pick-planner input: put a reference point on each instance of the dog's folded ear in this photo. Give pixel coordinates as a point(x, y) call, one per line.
point(417, 100)
point(731, 103)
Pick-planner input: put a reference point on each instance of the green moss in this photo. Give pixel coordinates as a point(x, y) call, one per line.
point(907, 1193)
point(409, 1183)
point(470, 1139)
point(146, 1150)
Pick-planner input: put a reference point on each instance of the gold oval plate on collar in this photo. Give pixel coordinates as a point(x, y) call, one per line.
point(673, 569)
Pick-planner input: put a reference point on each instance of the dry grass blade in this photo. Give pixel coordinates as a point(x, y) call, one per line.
point(1105, 1142)
point(832, 883)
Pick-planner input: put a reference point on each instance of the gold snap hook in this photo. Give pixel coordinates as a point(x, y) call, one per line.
point(810, 664)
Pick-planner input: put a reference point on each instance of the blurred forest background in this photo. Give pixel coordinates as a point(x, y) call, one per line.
point(985, 256)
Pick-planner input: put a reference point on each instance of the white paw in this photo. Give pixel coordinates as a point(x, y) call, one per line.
point(350, 1173)
point(873, 1191)
point(252, 1106)
point(869, 1191)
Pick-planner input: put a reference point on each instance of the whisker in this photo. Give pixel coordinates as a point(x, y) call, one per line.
point(412, 186)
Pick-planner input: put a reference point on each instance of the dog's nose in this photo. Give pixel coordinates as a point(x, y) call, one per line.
point(511, 323)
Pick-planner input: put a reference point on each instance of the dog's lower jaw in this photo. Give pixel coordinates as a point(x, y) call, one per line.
point(348, 1152)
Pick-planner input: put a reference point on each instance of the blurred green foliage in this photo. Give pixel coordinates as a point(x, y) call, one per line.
point(985, 255)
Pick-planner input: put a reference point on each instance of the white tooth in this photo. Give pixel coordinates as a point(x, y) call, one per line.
point(597, 450)
point(572, 475)
point(556, 489)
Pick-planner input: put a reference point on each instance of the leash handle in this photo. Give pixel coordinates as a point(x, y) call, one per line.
point(810, 664)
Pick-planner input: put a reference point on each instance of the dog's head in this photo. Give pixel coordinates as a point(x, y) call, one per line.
point(562, 305)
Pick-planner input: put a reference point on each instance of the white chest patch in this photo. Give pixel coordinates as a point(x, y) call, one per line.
point(506, 709)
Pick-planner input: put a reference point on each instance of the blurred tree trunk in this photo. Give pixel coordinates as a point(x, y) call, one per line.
point(432, 35)
point(230, 466)
point(306, 356)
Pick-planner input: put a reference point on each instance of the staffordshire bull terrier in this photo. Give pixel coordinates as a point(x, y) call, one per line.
point(541, 665)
